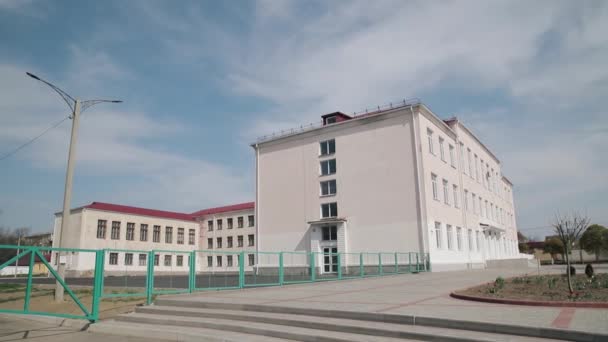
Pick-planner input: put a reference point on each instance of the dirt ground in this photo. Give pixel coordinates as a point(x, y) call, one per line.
point(545, 288)
point(42, 299)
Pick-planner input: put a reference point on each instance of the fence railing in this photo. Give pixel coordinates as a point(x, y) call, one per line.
point(124, 273)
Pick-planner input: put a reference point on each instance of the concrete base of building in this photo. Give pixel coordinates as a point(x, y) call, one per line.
point(508, 263)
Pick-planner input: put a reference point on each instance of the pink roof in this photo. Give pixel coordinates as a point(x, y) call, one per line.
point(140, 211)
point(224, 209)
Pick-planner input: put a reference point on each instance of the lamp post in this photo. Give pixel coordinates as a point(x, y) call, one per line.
point(77, 107)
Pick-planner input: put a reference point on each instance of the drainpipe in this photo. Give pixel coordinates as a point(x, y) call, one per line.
point(256, 206)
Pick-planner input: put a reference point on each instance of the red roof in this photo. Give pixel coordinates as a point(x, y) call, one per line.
point(224, 209)
point(140, 211)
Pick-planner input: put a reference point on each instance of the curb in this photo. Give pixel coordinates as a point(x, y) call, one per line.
point(593, 305)
point(56, 321)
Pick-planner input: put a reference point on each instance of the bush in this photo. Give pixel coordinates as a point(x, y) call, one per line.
point(589, 271)
point(499, 283)
point(552, 282)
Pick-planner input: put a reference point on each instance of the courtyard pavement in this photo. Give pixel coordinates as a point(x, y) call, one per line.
point(424, 294)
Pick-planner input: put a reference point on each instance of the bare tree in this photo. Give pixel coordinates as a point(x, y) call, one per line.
point(569, 228)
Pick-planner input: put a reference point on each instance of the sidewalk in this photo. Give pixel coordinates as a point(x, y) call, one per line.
point(424, 294)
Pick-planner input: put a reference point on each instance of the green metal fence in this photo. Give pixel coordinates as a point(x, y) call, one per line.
point(120, 273)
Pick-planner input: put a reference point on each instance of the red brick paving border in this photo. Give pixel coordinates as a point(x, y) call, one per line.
point(595, 305)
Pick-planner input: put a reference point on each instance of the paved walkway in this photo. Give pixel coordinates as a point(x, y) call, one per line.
point(424, 294)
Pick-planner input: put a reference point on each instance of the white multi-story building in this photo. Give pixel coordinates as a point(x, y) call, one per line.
point(395, 180)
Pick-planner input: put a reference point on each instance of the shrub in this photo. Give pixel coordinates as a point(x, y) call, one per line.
point(589, 271)
point(518, 280)
point(499, 283)
point(572, 270)
point(552, 282)
point(540, 280)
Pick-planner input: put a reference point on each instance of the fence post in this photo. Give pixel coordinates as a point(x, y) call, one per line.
point(409, 263)
point(28, 288)
point(396, 263)
point(429, 259)
point(241, 269)
point(313, 275)
point(339, 266)
point(417, 262)
point(380, 270)
point(361, 268)
point(150, 278)
point(281, 271)
point(192, 273)
point(97, 285)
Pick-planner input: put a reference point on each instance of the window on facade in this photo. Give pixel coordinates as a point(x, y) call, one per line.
point(250, 220)
point(115, 234)
point(474, 198)
point(239, 241)
point(328, 167)
point(210, 225)
point(483, 174)
point(452, 157)
point(250, 240)
point(167, 260)
point(446, 192)
point(239, 221)
point(113, 258)
point(219, 242)
point(101, 229)
point(128, 259)
point(487, 209)
point(455, 194)
point(219, 224)
point(179, 260)
point(229, 262)
point(329, 210)
point(328, 187)
point(180, 236)
point(168, 234)
point(251, 258)
point(441, 150)
point(229, 242)
point(476, 169)
point(143, 232)
point(477, 245)
point(156, 259)
point(209, 261)
point(449, 232)
point(210, 243)
point(466, 199)
point(156, 234)
point(328, 147)
point(191, 236)
point(218, 261)
point(470, 161)
point(330, 233)
point(229, 223)
point(438, 235)
point(459, 238)
point(142, 259)
point(429, 137)
point(435, 189)
point(462, 166)
point(130, 231)
point(470, 240)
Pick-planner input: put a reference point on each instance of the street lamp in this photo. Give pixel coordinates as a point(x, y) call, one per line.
point(77, 107)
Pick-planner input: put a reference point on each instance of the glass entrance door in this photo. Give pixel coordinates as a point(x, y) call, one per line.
point(330, 260)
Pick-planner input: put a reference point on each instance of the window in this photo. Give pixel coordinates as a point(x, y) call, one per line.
point(331, 120)
point(470, 162)
point(250, 240)
point(328, 147)
point(239, 221)
point(229, 261)
point(128, 259)
point(167, 260)
point(455, 191)
point(482, 210)
point(328, 167)
point(218, 261)
point(466, 199)
point(470, 240)
point(229, 242)
point(210, 225)
point(438, 235)
point(328, 187)
point(115, 235)
point(462, 167)
point(219, 242)
point(477, 246)
point(452, 158)
point(209, 261)
point(250, 220)
point(239, 241)
point(156, 234)
point(142, 259)
point(446, 192)
point(459, 238)
point(113, 258)
point(441, 151)
point(229, 223)
point(180, 260)
point(143, 232)
point(168, 234)
point(219, 224)
point(251, 258)
point(450, 237)
point(156, 259)
point(487, 209)
point(330, 233)
point(483, 175)
point(429, 136)
point(130, 231)
point(476, 169)
point(191, 236)
point(435, 190)
point(474, 198)
point(210, 243)
point(101, 229)
point(492, 212)
point(180, 236)
point(329, 210)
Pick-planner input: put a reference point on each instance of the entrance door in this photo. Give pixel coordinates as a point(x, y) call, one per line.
point(330, 260)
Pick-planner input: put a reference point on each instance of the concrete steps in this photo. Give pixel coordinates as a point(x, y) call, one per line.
point(235, 323)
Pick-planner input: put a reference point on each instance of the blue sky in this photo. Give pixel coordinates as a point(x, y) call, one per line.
point(201, 80)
